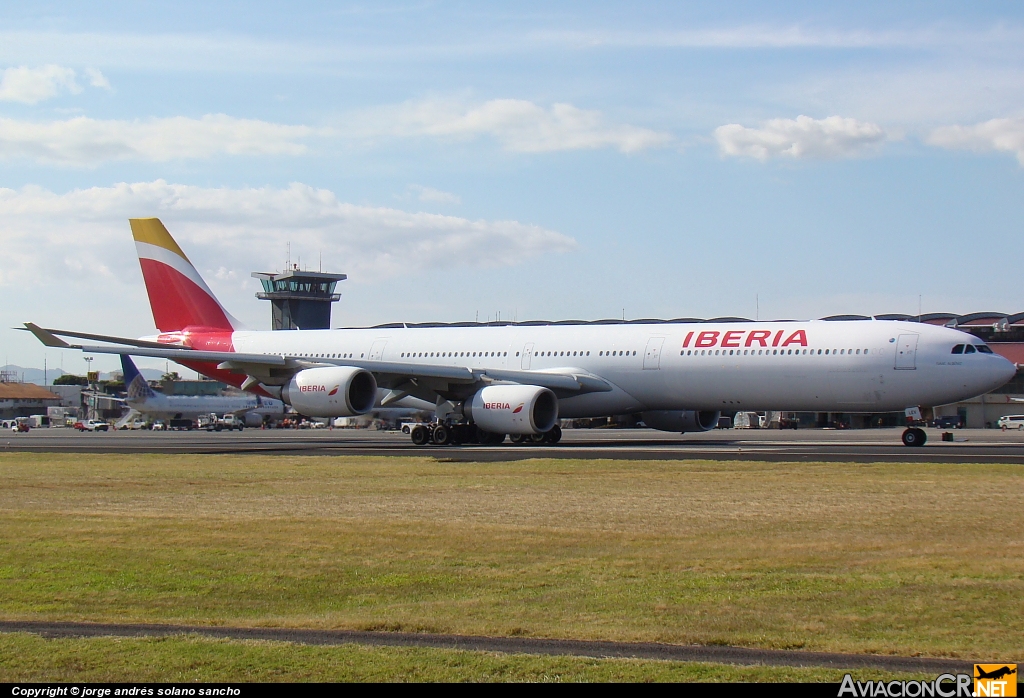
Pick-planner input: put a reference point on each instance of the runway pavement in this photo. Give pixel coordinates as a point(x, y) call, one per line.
point(869, 445)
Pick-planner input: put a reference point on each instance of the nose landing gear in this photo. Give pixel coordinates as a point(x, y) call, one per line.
point(914, 437)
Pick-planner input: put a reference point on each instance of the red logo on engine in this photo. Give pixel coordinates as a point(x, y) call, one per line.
point(312, 389)
point(497, 406)
point(518, 409)
point(335, 391)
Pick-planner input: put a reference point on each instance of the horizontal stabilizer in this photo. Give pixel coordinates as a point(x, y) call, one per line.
point(46, 336)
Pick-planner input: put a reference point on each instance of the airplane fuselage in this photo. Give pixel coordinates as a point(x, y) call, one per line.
point(191, 407)
point(848, 366)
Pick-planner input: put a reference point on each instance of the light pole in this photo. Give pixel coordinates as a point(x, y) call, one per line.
point(91, 402)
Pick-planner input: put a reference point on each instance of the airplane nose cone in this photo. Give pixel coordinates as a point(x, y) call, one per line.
point(1006, 370)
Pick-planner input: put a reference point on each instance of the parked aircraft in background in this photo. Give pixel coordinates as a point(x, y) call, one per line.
point(490, 381)
point(142, 399)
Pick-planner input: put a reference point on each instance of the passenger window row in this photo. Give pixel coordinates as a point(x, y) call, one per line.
point(452, 354)
point(561, 353)
point(773, 352)
point(328, 356)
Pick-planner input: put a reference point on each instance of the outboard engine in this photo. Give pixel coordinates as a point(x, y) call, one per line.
point(334, 391)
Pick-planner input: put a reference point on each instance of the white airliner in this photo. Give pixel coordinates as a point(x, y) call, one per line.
point(142, 399)
point(489, 382)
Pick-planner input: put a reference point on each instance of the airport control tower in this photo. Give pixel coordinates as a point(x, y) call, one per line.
point(301, 300)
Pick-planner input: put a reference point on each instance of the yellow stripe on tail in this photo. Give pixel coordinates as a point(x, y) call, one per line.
point(153, 232)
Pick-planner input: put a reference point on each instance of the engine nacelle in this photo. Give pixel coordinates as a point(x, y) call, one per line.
point(681, 420)
point(513, 409)
point(336, 391)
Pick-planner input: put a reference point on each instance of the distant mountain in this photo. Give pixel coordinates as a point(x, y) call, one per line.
point(35, 375)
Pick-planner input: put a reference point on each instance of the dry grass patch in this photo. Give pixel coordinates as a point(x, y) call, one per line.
point(891, 558)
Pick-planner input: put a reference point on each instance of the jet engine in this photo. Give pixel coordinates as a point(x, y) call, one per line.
point(513, 409)
point(680, 420)
point(336, 391)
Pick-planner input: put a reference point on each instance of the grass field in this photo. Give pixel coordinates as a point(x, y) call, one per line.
point(887, 558)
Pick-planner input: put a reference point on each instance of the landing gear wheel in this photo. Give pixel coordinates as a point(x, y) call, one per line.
point(537, 438)
point(420, 435)
point(914, 437)
point(554, 435)
point(489, 438)
point(442, 436)
point(518, 438)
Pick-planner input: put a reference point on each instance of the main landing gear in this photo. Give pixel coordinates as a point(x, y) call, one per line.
point(443, 434)
point(914, 437)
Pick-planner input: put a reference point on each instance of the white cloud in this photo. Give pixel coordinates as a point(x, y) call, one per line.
point(520, 125)
point(57, 241)
point(803, 137)
point(435, 196)
point(32, 85)
point(97, 79)
point(85, 141)
point(1004, 135)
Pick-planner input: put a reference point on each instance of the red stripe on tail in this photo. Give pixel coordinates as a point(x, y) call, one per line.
point(177, 302)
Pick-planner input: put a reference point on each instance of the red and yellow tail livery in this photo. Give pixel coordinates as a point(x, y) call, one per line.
point(178, 295)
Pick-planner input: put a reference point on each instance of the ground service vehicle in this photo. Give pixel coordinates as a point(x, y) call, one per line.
point(519, 379)
point(212, 422)
point(1011, 421)
point(92, 425)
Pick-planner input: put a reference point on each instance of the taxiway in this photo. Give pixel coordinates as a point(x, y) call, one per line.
point(869, 445)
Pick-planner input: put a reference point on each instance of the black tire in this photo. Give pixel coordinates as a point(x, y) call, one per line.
point(914, 437)
point(420, 435)
point(554, 435)
point(442, 435)
point(518, 438)
point(489, 438)
point(240, 427)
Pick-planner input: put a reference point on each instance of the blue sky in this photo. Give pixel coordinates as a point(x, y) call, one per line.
point(549, 161)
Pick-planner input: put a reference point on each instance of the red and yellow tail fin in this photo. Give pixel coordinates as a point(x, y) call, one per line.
point(178, 295)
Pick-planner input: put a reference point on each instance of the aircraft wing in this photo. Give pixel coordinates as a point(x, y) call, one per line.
point(160, 351)
point(398, 376)
point(52, 334)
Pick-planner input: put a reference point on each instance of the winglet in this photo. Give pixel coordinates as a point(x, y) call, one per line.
point(47, 338)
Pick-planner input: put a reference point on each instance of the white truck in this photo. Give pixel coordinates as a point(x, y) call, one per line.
point(211, 422)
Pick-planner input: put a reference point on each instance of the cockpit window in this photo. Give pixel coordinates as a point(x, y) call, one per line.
point(969, 349)
point(958, 349)
point(983, 348)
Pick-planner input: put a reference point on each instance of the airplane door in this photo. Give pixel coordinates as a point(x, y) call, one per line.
point(906, 351)
point(377, 350)
point(527, 355)
point(652, 356)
